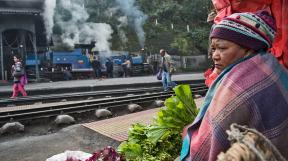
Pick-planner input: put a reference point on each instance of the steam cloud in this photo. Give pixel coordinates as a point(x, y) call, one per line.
point(49, 7)
point(123, 22)
point(72, 20)
point(136, 16)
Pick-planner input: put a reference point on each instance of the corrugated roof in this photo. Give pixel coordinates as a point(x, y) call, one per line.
point(26, 11)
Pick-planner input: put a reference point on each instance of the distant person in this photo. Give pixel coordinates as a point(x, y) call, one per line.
point(67, 74)
point(96, 65)
point(109, 68)
point(166, 65)
point(19, 77)
point(103, 71)
point(126, 67)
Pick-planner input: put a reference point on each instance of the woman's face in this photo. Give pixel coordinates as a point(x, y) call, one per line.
point(15, 59)
point(225, 53)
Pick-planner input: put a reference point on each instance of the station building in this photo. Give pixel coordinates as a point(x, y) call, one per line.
point(22, 31)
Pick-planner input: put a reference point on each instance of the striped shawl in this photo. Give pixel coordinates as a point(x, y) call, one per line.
point(252, 92)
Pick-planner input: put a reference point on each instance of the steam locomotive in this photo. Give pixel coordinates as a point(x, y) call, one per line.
point(54, 65)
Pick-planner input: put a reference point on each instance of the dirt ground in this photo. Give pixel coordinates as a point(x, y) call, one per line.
point(24, 147)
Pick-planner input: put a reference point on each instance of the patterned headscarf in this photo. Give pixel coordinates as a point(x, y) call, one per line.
point(251, 30)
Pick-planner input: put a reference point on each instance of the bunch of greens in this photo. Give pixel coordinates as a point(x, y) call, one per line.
point(162, 139)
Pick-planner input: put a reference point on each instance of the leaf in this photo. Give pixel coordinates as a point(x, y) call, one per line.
point(130, 150)
point(183, 92)
point(156, 132)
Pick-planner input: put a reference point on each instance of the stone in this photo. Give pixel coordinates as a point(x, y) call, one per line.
point(12, 127)
point(159, 103)
point(134, 107)
point(103, 113)
point(64, 119)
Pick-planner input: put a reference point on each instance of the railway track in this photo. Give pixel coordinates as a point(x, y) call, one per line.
point(82, 95)
point(77, 107)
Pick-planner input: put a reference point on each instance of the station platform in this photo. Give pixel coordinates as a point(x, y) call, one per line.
point(117, 128)
point(98, 85)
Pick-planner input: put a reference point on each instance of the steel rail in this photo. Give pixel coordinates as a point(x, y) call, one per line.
point(75, 96)
point(83, 106)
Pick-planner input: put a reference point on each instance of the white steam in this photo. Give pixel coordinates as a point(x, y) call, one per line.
point(123, 22)
point(72, 20)
point(72, 25)
point(99, 32)
point(49, 7)
point(134, 15)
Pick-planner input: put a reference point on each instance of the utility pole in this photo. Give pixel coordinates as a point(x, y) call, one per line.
point(1, 53)
point(36, 57)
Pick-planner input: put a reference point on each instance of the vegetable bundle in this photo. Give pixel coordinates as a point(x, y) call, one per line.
point(162, 139)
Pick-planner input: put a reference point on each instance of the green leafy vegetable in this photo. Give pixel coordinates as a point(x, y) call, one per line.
point(161, 141)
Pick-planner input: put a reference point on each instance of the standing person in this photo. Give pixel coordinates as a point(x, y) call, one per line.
point(103, 71)
point(96, 65)
point(166, 65)
point(127, 67)
point(249, 75)
point(109, 67)
point(67, 74)
point(19, 77)
point(92, 63)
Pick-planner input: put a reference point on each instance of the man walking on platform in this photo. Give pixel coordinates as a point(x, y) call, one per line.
point(166, 65)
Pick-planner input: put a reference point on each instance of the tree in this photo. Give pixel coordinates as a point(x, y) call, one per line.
point(180, 13)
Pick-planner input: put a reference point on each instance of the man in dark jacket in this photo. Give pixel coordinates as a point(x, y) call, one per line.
point(109, 68)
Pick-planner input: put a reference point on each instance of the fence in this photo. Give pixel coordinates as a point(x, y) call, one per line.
point(182, 63)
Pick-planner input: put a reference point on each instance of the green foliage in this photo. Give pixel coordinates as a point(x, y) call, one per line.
point(194, 42)
point(182, 44)
point(161, 141)
point(180, 13)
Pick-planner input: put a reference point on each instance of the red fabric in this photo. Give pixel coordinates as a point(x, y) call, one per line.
point(279, 10)
point(210, 78)
point(208, 72)
point(17, 87)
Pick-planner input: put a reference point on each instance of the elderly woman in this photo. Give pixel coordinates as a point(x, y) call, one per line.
point(251, 89)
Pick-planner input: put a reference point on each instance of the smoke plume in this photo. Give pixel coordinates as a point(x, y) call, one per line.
point(123, 22)
point(71, 17)
point(135, 16)
point(49, 7)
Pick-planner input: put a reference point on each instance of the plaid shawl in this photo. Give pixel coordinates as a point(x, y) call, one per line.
point(252, 92)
